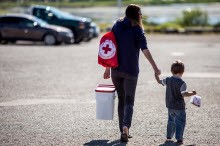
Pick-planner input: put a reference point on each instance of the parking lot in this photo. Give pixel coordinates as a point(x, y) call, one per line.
point(47, 93)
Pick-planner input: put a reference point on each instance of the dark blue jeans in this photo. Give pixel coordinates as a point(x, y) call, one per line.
point(125, 85)
point(176, 123)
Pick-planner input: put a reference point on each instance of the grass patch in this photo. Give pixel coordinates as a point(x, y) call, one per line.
point(99, 3)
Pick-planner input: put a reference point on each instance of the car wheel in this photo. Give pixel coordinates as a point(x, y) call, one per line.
point(88, 39)
point(58, 43)
point(78, 41)
point(1, 41)
point(12, 41)
point(4, 41)
point(50, 39)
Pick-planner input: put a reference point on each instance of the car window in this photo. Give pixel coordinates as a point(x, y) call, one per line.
point(60, 14)
point(26, 22)
point(40, 21)
point(9, 20)
point(44, 14)
point(40, 13)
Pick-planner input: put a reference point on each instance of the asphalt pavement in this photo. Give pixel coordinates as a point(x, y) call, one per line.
point(47, 94)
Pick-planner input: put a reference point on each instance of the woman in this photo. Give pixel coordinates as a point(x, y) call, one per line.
point(130, 39)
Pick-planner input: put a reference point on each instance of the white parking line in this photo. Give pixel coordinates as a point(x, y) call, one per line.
point(177, 54)
point(20, 102)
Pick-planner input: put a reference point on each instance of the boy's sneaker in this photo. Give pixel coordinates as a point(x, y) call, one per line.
point(169, 139)
point(129, 136)
point(179, 142)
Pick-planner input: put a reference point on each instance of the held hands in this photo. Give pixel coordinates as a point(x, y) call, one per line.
point(106, 74)
point(157, 71)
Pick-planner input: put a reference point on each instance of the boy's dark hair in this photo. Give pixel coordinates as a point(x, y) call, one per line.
point(177, 67)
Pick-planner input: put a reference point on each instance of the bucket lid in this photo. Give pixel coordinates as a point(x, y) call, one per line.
point(105, 88)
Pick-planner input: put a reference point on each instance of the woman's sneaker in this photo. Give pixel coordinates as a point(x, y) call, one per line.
point(124, 137)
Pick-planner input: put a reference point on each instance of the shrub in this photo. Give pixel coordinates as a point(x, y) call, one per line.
point(169, 27)
point(217, 24)
point(195, 17)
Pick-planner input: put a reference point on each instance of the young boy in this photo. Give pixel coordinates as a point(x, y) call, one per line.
point(175, 93)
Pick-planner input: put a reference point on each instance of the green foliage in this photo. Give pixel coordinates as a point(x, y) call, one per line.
point(105, 26)
point(92, 3)
point(217, 25)
point(169, 26)
point(195, 17)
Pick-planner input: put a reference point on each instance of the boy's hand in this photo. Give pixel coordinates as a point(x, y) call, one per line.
point(194, 92)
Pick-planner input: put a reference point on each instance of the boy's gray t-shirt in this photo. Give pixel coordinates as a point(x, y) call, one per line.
point(175, 87)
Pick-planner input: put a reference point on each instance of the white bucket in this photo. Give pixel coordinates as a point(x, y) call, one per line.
point(196, 100)
point(105, 101)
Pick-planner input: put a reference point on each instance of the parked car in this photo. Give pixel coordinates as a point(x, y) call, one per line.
point(81, 27)
point(96, 28)
point(15, 27)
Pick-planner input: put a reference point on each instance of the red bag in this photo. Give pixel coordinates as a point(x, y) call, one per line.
point(108, 50)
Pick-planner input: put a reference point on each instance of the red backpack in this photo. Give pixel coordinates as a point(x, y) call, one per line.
point(107, 56)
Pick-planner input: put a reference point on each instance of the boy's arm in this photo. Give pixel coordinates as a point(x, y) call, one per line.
point(186, 94)
point(149, 57)
point(184, 91)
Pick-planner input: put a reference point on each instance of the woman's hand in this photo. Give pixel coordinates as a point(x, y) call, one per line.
point(106, 74)
point(157, 72)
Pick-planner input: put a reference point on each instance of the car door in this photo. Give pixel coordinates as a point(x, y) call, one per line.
point(46, 15)
point(31, 30)
point(10, 28)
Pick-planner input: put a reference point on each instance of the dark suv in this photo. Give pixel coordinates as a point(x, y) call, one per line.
point(81, 27)
point(15, 27)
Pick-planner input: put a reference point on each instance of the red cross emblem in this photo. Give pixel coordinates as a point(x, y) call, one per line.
point(106, 49)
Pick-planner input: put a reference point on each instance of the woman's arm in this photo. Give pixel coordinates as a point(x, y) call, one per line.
point(106, 74)
point(149, 57)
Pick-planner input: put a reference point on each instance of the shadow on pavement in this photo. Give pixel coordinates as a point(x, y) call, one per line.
point(104, 143)
point(172, 143)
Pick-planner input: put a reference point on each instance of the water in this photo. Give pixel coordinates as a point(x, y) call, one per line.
point(157, 14)
point(161, 14)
